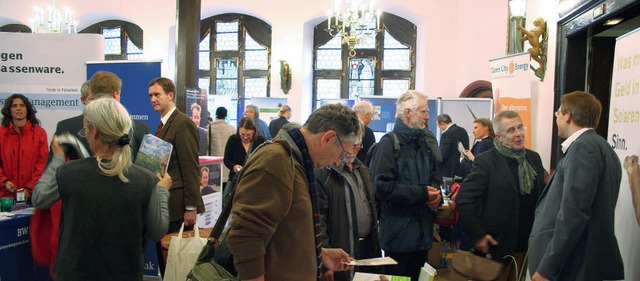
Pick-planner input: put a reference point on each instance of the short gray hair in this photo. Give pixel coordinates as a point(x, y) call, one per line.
point(336, 117)
point(363, 107)
point(497, 120)
point(409, 100)
point(84, 90)
point(254, 109)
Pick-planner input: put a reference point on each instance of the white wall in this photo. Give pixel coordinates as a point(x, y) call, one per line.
point(455, 40)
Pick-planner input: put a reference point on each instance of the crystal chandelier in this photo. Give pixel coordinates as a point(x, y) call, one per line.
point(353, 20)
point(53, 20)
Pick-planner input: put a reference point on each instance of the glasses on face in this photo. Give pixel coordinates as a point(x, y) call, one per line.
point(344, 153)
point(82, 131)
point(520, 128)
point(247, 135)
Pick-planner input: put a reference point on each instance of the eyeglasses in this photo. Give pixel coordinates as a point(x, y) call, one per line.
point(344, 153)
point(519, 128)
point(82, 131)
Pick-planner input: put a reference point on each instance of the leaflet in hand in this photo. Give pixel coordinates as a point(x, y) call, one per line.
point(463, 151)
point(154, 154)
point(373, 262)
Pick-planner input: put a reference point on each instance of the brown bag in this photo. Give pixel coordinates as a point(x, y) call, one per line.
point(468, 266)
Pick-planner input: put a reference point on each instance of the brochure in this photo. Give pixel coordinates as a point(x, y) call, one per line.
point(374, 262)
point(154, 154)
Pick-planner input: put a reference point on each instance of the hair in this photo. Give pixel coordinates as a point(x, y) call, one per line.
point(105, 82)
point(363, 107)
point(247, 124)
point(101, 95)
point(166, 84)
point(408, 100)
point(486, 123)
point(444, 119)
point(221, 113)
point(203, 168)
point(284, 109)
point(196, 106)
point(585, 108)
point(254, 109)
point(497, 120)
point(84, 90)
point(6, 110)
point(336, 117)
point(112, 121)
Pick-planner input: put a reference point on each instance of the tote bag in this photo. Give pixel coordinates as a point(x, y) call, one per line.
point(183, 254)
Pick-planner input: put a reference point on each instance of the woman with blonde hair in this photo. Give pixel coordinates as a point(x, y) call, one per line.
point(484, 135)
point(283, 118)
point(109, 205)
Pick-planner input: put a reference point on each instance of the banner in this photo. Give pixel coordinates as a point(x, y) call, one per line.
point(134, 95)
point(511, 79)
point(49, 70)
point(268, 107)
point(624, 121)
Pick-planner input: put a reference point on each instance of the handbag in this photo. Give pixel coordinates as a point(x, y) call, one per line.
point(183, 253)
point(466, 265)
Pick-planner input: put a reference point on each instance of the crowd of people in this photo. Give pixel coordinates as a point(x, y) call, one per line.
point(306, 204)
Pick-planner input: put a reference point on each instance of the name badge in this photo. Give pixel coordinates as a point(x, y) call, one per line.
point(20, 195)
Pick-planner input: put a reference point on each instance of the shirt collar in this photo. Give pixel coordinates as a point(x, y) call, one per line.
point(165, 118)
point(566, 143)
point(447, 128)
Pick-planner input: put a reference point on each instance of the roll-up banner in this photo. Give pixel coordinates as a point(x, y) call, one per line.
point(624, 121)
point(49, 70)
point(511, 78)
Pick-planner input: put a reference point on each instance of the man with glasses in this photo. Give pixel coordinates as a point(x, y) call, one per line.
point(497, 199)
point(573, 235)
point(275, 218)
point(348, 209)
point(364, 109)
point(406, 183)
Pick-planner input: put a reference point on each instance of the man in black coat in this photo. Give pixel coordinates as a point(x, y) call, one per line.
point(497, 199)
point(452, 134)
point(364, 109)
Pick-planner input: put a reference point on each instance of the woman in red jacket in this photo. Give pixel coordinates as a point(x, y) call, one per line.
point(23, 147)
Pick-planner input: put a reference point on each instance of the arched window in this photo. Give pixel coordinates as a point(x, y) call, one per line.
point(122, 40)
point(382, 66)
point(15, 27)
point(235, 59)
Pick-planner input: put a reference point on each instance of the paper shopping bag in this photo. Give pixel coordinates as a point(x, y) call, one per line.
point(183, 254)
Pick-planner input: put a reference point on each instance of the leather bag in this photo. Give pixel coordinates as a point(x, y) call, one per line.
point(469, 266)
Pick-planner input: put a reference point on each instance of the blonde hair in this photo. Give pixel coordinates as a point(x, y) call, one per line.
point(112, 121)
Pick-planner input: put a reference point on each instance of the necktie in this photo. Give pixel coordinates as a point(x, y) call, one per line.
point(159, 129)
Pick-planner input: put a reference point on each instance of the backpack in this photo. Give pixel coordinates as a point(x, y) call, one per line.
point(372, 149)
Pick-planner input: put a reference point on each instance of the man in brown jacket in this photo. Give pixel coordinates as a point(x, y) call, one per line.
point(275, 214)
point(178, 129)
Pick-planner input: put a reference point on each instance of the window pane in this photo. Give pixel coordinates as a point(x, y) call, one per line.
point(251, 44)
point(203, 83)
point(111, 32)
point(396, 60)
point(256, 60)
point(361, 77)
point(204, 44)
point(367, 42)
point(203, 60)
point(335, 43)
point(329, 59)
point(227, 68)
point(227, 36)
point(392, 43)
point(112, 46)
point(227, 87)
point(394, 88)
point(255, 87)
point(366, 29)
point(328, 89)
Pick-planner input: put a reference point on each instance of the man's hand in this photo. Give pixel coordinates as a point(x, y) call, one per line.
point(327, 276)
point(335, 259)
point(485, 243)
point(9, 186)
point(237, 168)
point(56, 148)
point(165, 181)
point(190, 217)
point(434, 197)
point(537, 277)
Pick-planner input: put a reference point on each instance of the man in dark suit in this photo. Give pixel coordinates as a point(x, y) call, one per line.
point(102, 84)
point(178, 129)
point(452, 134)
point(497, 199)
point(364, 109)
point(573, 233)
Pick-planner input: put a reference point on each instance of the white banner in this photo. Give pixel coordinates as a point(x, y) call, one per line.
point(511, 79)
point(49, 69)
point(624, 119)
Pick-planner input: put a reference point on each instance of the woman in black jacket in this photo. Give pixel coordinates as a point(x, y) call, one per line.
point(240, 145)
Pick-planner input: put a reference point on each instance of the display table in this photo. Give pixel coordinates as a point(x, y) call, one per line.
point(15, 249)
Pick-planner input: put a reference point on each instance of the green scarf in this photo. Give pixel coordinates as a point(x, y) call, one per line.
point(526, 174)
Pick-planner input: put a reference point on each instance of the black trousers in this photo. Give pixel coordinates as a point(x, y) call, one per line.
point(409, 264)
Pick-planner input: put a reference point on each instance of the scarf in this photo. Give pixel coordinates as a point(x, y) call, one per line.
point(298, 139)
point(526, 174)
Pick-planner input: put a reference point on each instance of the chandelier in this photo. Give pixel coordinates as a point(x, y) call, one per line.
point(354, 21)
point(53, 20)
